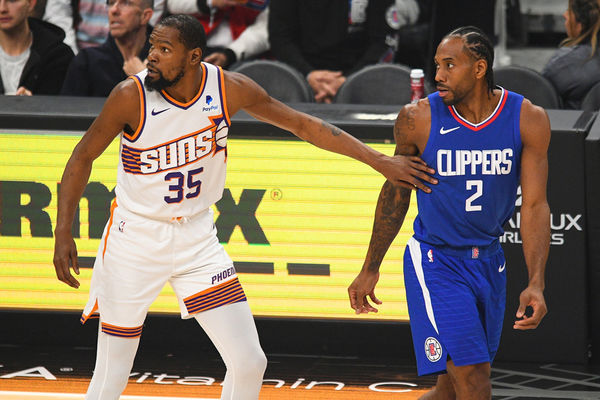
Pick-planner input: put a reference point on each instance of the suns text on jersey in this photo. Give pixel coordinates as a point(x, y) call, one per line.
point(474, 162)
point(183, 151)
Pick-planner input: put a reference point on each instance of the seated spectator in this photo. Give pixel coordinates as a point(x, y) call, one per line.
point(575, 67)
point(326, 40)
point(236, 30)
point(33, 57)
point(60, 13)
point(91, 20)
point(96, 70)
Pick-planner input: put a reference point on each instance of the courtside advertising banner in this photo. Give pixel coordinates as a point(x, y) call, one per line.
point(295, 219)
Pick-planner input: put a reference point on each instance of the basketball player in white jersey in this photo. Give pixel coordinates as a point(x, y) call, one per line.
point(173, 121)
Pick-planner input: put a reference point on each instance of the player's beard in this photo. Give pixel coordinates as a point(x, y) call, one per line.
point(162, 83)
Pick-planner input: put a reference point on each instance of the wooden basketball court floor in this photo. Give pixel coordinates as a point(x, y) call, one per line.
point(63, 372)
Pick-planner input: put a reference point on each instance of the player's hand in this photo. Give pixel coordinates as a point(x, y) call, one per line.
point(363, 286)
point(530, 297)
point(409, 172)
point(65, 258)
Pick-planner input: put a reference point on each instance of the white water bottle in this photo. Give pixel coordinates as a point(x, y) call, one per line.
point(417, 85)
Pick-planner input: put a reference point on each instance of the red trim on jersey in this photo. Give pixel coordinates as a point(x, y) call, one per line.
point(491, 119)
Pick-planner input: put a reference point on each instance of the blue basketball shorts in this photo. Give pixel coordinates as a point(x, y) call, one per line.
point(456, 300)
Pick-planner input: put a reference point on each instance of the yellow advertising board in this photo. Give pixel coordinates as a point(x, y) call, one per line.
point(295, 219)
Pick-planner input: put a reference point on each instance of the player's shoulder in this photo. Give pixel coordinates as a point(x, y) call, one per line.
point(414, 116)
point(534, 122)
point(128, 88)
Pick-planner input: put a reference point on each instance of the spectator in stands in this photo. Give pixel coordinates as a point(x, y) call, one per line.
point(575, 67)
point(33, 57)
point(236, 29)
point(59, 13)
point(91, 20)
point(326, 40)
point(96, 70)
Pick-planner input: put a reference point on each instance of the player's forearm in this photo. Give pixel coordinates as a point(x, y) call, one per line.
point(392, 206)
point(535, 231)
point(73, 181)
point(329, 137)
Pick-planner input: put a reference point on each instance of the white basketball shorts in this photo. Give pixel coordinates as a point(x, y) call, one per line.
point(138, 255)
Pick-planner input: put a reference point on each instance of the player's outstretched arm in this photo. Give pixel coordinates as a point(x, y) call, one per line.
point(535, 212)
point(390, 212)
point(122, 107)
point(243, 93)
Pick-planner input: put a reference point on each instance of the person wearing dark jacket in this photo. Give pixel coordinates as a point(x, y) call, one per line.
point(33, 57)
point(575, 67)
point(95, 71)
point(326, 40)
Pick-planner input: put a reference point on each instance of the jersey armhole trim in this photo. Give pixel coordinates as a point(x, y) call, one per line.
point(223, 96)
point(138, 132)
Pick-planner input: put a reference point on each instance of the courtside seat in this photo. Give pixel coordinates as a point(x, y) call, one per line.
point(591, 101)
point(529, 83)
point(281, 81)
point(377, 84)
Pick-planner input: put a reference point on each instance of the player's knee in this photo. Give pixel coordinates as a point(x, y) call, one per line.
point(255, 362)
point(476, 382)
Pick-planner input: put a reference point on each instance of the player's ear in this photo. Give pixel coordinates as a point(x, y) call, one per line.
point(480, 68)
point(195, 56)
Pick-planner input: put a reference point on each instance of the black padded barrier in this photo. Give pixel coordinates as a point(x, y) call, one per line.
point(567, 333)
point(592, 197)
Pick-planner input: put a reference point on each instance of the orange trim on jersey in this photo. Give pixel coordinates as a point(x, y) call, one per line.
point(491, 119)
point(194, 99)
point(92, 314)
point(133, 137)
point(110, 221)
point(223, 95)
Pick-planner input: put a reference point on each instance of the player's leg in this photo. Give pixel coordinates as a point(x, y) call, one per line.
point(129, 273)
point(233, 332)
point(471, 382)
point(443, 390)
point(114, 361)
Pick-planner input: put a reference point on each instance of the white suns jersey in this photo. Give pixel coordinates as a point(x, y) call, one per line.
point(174, 164)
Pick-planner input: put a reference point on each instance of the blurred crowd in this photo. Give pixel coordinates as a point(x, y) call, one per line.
point(85, 47)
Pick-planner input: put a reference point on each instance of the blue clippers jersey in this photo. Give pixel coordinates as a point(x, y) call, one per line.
point(478, 168)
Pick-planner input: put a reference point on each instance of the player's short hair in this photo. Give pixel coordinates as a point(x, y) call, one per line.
point(148, 4)
point(479, 46)
point(191, 31)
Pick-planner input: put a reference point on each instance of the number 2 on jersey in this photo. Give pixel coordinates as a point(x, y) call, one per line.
point(177, 188)
point(478, 185)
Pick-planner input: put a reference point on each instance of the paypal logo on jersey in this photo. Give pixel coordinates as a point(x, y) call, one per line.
point(213, 107)
point(475, 162)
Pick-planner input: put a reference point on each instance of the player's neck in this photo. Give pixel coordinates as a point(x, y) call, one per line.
point(187, 88)
point(478, 106)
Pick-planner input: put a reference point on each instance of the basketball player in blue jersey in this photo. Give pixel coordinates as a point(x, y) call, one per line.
point(173, 121)
point(482, 140)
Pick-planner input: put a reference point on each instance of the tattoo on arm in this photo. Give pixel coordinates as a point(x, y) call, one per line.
point(335, 131)
point(391, 209)
point(405, 123)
